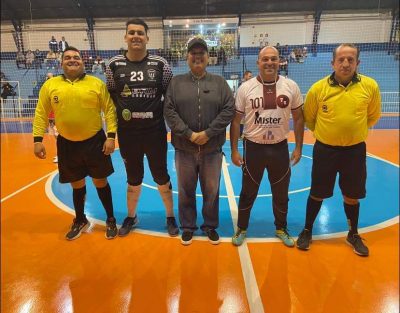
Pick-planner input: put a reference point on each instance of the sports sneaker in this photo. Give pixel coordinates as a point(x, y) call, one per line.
point(186, 238)
point(357, 243)
point(172, 227)
point(283, 235)
point(111, 228)
point(304, 240)
point(239, 237)
point(77, 228)
point(213, 236)
point(128, 224)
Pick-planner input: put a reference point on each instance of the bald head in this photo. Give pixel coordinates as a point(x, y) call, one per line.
point(268, 49)
point(268, 63)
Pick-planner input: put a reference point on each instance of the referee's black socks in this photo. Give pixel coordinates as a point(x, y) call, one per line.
point(106, 199)
point(78, 196)
point(313, 207)
point(352, 212)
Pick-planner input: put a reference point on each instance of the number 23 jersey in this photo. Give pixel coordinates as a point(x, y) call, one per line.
point(137, 88)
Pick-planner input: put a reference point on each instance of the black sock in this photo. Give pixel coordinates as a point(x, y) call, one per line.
point(313, 207)
point(352, 212)
point(106, 199)
point(78, 196)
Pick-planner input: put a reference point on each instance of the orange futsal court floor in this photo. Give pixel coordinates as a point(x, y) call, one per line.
point(42, 272)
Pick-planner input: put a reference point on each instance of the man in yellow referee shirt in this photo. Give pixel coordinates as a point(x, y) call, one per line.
point(339, 109)
point(83, 149)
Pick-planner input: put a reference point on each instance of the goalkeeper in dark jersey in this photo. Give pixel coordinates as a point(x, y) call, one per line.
point(137, 82)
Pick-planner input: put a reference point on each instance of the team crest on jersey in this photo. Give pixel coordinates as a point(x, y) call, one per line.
point(55, 99)
point(152, 74)
point(324, 108)
point(126, 92)
point(282, 101)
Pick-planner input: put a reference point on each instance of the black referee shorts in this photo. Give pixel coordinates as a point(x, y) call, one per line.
point(349, 162)
point(78, 159)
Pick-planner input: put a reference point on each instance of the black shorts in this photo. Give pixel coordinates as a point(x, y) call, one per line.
point(134, 147)
point(349, 162)
point(78, 159)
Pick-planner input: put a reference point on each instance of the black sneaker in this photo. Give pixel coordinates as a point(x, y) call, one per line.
point(127, 225)
point(213, 236)
point(172, 227)
point(357, 243)
point(77, 228)
point(304, 240)
point(111, 228)
point(186, 238)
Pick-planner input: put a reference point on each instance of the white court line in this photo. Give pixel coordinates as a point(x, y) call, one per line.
point(250, 282)
point(27, 186)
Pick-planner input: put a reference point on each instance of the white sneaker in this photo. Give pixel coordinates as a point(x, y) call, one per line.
point(55, 159)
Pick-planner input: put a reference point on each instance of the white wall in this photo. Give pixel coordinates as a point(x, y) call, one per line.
point(108, 34)
point(290, 29)
point(354, 28)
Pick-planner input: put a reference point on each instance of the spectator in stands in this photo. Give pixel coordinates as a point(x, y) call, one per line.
point(305, 52)
point(279, 48)
point(51, 60)
point(98, 65)
point(7, 91)
point(20, 59)
point(39, 59)
point(292, 56)
point(83, 148)
point(30, 58)
point(53, 45)
point(283, 66)
point(62, 45)
point(339, 109)
point(221, 56)
point(285, 52)
point(2, 76)
point(213, 56)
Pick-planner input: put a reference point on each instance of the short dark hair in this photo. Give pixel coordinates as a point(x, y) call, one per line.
point(137, 21)
point(351, 45)
point(247, 72)
point(70, 48)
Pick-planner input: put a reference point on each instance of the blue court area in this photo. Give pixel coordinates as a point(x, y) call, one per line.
point(380, 205)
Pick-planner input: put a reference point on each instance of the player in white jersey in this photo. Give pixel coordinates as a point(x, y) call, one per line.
point(266, 102)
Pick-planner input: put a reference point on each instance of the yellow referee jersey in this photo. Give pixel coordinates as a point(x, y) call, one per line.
point(341, 116)
point(77, 108)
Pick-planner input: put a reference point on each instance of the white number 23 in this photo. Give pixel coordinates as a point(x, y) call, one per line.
point(136, 76)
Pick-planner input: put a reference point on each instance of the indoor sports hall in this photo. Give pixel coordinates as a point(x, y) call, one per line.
point(148, 271)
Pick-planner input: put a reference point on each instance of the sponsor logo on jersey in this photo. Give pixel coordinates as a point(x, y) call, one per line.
point(152, 63)
point(120, 63)
point(269, 135)
point(324, 108)
point(142, 115)
point(282, 101)
point(126, 92)
point(260, 120)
